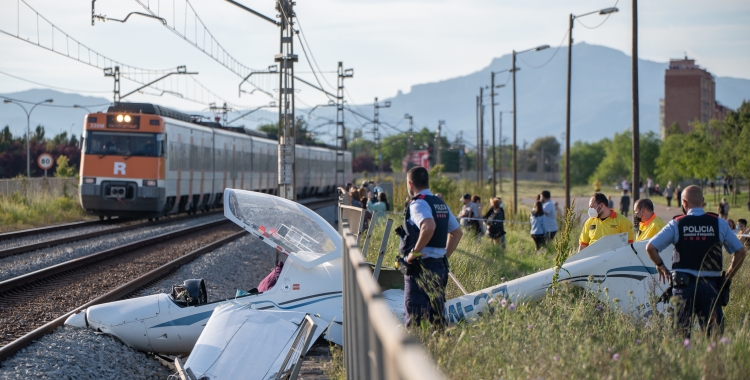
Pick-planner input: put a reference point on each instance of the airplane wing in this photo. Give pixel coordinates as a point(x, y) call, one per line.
point(243, 343)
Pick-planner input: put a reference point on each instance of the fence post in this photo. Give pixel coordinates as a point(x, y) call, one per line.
point(383, 246)
point(369, 233)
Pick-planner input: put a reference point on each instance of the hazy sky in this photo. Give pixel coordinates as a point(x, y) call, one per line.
point(391, 45)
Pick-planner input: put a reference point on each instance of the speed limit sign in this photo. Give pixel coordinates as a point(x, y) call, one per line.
point(45, 162)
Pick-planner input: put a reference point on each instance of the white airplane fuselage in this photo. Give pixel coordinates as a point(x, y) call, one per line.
point(157, 324)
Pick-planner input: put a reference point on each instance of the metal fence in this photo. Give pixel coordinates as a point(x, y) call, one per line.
point(375, 345)
point(39, 187)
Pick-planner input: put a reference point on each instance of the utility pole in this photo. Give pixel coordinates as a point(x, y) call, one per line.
point(636, 132)
point(286, 59)
point(376, 124)
point(479, 179)
point(438, 142)
point(481, 135)
point(115, 74)
point(340, 128)
point(461, 153)
point(500, 135)
point(567, 117)
point(515, 159)
point(410, 140)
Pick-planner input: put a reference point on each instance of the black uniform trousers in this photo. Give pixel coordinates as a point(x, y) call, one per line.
point(428, 303)
point(699, 298)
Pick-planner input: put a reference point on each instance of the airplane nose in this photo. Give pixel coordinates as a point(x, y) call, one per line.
point(77, 320)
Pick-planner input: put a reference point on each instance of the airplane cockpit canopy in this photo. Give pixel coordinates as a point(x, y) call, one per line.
point(285, 225)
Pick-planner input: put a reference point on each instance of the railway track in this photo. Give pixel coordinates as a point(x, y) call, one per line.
point(55, 228)
point(36, 303)
point(78, 237)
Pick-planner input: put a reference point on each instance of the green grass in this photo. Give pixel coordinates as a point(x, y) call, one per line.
point(570, 334)
point(18, 212)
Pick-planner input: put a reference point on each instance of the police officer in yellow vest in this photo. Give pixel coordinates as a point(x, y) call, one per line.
point(648, 223)
point(696, 273)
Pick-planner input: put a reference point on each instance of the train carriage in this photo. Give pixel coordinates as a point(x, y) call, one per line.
point(143, 160)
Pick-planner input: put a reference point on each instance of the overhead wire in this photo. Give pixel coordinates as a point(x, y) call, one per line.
point(55, 87)
point(601, 23)
point(100, 61)
point(550, 58)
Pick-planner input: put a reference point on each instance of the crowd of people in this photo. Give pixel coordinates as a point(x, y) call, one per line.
point(369, 196)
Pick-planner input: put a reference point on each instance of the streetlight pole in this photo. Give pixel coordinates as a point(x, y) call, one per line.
point(494, 154)
point(376, 125)
point(479, 179)
point(572, 17)
point(515, 158)
point(636, 132)
point(28, 130)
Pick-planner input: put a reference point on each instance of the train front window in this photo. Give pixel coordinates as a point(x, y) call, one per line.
point(124, 144)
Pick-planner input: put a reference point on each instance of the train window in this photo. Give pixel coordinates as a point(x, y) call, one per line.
point(173, 157)
point(123, 144)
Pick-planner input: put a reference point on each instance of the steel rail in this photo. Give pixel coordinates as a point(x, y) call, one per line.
point(53, 228)
point(32, 247)
point(114, 295)
point(73, 264)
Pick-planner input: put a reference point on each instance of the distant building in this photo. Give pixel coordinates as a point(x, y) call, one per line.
point(689, 95)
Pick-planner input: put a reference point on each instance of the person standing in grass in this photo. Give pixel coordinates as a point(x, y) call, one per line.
point(648, 223)
point(495, 218)
point(550, 215)
point(381, 206)
point(625, 203)
point(696, 275)
point(724, 209)
point(597, 186)
point(432, 234)
point(538, 225)
point(469, 214)
point(669, 193)
point(603, 221)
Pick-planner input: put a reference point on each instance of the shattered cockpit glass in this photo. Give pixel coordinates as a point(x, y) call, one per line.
point(282, 222)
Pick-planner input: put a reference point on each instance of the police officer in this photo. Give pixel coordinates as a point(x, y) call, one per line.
point(696, 274)
point(432, 234)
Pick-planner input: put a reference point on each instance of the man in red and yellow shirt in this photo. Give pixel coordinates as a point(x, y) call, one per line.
point(603, 221)
point(649, 224)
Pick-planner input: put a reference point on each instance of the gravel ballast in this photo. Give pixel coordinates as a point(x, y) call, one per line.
point(14, 266)
point(72, 353)
point(82, 354)
point(54, 235)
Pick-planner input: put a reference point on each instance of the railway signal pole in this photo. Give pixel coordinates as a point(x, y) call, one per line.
point(286, 59)
point(438, 142)
point(410, 140)
point(340, 127)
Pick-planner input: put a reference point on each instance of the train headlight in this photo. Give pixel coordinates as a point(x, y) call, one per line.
point(119, 118)
point(89, 180)
point(127, 118)
point(149, 182)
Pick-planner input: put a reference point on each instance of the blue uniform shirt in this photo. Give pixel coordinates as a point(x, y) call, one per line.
point(420, 210)
point(669, 235)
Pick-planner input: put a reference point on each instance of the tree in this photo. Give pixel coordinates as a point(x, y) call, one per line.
point(548, 147)
point(304, 135)
point(583, 159)
point(64, 170)
point(617, 162)
point(363, 163)
point(38, 135)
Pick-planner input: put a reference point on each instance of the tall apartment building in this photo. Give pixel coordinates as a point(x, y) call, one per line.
point(689, 95)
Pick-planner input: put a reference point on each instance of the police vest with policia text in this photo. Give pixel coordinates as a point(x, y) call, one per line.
point(699, 246)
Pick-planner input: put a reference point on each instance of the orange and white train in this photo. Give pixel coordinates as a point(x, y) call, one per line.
point(143, 160)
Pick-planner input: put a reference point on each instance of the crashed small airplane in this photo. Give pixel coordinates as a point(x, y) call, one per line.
point(309, 288)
